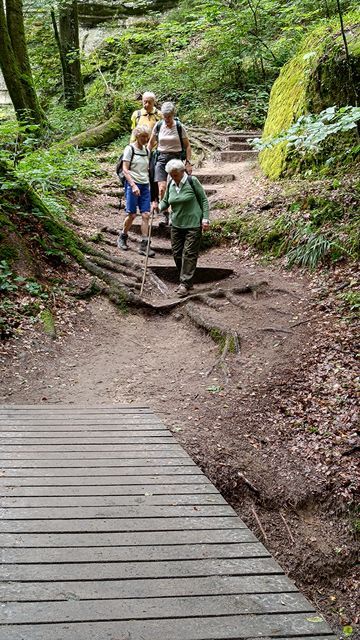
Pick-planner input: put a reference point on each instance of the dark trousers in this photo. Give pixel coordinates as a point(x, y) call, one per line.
point(185, 244)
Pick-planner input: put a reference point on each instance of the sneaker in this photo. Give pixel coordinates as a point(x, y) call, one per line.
point(182, 291)
point(121, 242)
point(143, 249)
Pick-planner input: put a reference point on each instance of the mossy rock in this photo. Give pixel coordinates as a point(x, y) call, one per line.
point(316, 78)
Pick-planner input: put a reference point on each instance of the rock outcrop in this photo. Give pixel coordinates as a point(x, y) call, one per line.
point(318, 77)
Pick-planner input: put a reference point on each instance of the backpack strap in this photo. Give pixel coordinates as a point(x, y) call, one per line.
point(132, 155)
point(179, 131)
point(191, 183)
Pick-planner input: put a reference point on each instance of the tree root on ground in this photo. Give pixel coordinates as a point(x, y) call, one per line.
point(218, 333)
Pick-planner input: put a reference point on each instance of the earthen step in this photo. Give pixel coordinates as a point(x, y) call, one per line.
point(159, 232)
point(238, 156)
point(240, 146)
point(210, 191)
point(214, 178)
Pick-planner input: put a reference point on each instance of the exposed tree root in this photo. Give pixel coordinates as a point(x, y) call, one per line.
point(218, 333)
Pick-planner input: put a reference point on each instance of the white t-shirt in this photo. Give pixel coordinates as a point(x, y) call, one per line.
point(168, 138)
point(139, 167)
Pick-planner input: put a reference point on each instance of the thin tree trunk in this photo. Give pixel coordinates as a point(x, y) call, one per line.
point(347, 54)
point(9, 67)
point(16, 32)
point(68, 42)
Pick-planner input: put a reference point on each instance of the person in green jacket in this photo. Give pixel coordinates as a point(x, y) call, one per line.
point(189, 217)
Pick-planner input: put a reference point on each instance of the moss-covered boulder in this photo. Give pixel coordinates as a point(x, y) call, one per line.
point(318, 77)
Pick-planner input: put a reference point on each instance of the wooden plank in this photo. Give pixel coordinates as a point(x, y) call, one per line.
point(136, 570)
point(154, 608)
point(127, 511)
point(94, 481)
point(135, 553)
point(112, 501)
point(113, 453)
point(216, 628)
point(162, 587)
point(132, 538)
point(73, 409)
point(116, 524)
point(16, 452)
point(142, 469)
point(47, 424)
point(121, 490)
point(126, 436)
point(119, 459)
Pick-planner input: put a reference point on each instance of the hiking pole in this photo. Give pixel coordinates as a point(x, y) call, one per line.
point(147, 252)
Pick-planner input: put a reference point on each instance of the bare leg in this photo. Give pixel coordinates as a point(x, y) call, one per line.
point(128, 222)
point(162, 189)
point(145, 225)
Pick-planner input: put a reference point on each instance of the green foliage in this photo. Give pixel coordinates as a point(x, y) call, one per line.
point(311, 230)
point(47, 320)
point(308, 134)
point(56, 169)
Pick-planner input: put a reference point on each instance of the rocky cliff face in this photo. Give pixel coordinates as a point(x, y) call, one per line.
point(97, 12)
point(312, 81)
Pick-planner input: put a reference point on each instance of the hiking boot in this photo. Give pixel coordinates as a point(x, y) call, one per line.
point(182, 291)
point(121, 242)
point(143, 248)
point(164, 219)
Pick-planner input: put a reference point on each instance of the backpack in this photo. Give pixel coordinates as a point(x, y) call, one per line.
point(179, 131)
point(138, 115)
point(119, 167)
point(191, 183)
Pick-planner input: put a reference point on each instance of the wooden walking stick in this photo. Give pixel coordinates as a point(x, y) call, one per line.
point(147, 252)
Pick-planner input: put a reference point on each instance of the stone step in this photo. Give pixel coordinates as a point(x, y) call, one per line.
point(240, 146)
point(242, 137)
point(238, 156)
point(214, 178)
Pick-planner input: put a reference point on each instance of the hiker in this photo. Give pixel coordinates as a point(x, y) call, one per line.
point(148, 116)
point(189, 216)
point(137, 188)
point(172, 143)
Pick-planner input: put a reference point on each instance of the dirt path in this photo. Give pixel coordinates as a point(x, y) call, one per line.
point(227, 415)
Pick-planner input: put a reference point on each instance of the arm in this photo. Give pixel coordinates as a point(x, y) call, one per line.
point(153, 139)
point(164, 203)
point(129, 179)
point(187, 147)
point(204, 203)
point(133, 125)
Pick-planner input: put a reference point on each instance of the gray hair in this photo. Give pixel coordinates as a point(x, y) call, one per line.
point(149, 94)
point(140, 129)
point(174, 165)
point(168, 108)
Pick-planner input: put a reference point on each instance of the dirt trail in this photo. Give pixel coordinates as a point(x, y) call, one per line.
point(224, 413)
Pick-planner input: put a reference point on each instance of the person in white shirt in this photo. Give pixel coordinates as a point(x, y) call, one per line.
point(172, 141)
point(137, 188)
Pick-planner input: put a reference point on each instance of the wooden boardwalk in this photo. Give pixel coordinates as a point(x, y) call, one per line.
point(109, 531)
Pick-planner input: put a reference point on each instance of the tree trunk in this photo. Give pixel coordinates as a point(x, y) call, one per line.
point(15, 64)
point(101, 134)
point(68, 42)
